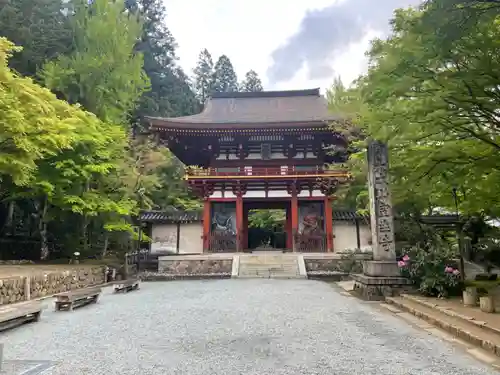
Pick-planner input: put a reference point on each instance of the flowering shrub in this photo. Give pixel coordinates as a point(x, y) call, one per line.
point(431, 272)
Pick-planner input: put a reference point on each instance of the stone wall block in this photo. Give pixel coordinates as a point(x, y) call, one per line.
point(12, 289)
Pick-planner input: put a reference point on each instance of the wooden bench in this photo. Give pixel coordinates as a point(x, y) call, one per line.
point(76, 298)
point(19, 313)
point(127, 286)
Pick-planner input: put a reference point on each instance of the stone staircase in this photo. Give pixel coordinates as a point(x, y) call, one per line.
point(271, 265)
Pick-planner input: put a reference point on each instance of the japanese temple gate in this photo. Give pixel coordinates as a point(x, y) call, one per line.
point(261, 150)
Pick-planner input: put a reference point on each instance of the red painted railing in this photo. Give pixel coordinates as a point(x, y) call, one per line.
point(261, 171)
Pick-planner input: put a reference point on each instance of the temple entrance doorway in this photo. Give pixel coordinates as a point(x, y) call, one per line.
point(267, 226)
point(266, 229)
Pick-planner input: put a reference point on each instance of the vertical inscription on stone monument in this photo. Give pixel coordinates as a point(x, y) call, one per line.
point(382, 221)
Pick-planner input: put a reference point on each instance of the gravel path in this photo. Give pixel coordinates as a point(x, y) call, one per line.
point(225, 327)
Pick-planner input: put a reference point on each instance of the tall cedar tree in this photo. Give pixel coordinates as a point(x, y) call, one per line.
point(39, 27)
point(170, 94)
point(204, 76)
point(225, 79)
point(252, 82)
point(105, 76)
point(103, 73)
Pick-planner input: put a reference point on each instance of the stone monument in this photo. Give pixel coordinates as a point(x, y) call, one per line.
point(381, 276)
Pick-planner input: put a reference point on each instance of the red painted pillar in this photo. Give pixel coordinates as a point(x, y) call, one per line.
point(239, 222)
point(328, 225)
point(207, 218)
point(295, 217)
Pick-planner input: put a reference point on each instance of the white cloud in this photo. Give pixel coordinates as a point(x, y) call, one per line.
point(249, 31)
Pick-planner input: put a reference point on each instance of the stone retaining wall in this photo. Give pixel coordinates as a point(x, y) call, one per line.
point(336, 264)
point(16, 289)
point(182, 267)
point(12, 290)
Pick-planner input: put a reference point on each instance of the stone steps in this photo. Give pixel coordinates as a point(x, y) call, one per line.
point(269, 266)
point(468, 331)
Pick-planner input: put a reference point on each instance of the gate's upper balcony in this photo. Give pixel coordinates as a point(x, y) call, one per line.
point(264, 173)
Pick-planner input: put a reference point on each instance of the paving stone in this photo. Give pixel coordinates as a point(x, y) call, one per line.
point(414, 320)
point(446, 336)
point(27, 367)
point(346, 285)
point(244, 327)
point(482, 355)
point(391, 308)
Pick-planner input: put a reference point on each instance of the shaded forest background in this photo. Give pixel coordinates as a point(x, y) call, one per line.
point(77, 79)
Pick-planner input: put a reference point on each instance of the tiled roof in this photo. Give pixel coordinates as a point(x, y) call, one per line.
point(261, 107)
point(440, 220)
point(339, 215)
point(345, 215)
point(170, 216)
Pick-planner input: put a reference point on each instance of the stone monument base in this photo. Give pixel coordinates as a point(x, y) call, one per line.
point(376, 268)
point(376, 288)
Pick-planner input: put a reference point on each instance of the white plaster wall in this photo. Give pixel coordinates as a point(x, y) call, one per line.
point(191, 238)
point(345, 236)
point(164, 238)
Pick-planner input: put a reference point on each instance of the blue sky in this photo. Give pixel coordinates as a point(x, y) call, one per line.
point(292, 44)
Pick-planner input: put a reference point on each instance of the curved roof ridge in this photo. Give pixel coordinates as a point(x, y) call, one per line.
point(265, 94)
point(265, 107)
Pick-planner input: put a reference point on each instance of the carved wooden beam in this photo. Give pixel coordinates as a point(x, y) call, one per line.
point(239, 188)
point(327, 186)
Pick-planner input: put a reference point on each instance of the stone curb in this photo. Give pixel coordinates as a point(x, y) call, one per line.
point(454, 330)
point(172, 277)
point(453, 314)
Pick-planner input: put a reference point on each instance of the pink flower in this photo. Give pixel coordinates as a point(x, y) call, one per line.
point(406, 258)
point(401, 264)
point(456, 272)
point(448, 269)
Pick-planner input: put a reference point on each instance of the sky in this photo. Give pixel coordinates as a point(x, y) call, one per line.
point(291, 44)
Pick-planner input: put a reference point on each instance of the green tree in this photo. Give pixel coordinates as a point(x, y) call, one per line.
point(204, 76)
point(170, 93)
point(103, 74)
point(267, 219)
point(51, 150)
point(454, 19)
point(40, 27)
point(34, 124)
point(225, 79)
point(437, 110)
point(252, 82)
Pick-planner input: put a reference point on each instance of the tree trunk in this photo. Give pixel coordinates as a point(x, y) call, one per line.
point(42, 207)
point(105, 246)
point(84, 228)
point(10, 217)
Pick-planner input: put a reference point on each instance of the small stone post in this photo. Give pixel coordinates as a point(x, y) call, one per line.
point(27, 288)
point(126, 267)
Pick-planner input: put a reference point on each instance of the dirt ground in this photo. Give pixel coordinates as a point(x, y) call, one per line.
point(31, 269)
